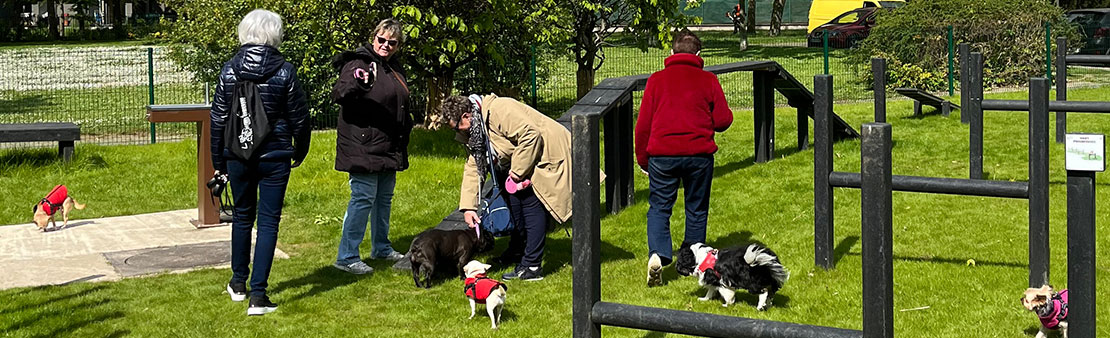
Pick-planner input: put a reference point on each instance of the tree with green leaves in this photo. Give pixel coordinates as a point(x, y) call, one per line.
point(444, 38)
point(586, 24)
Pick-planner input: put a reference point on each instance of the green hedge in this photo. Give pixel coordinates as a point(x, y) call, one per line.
point(1009, 33)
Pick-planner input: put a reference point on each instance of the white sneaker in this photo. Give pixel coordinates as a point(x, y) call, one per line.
point(358, 268)
point(237, 291)
point(655, 271)
point(393, 256)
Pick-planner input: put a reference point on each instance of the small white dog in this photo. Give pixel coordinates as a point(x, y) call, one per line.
point(480, 289)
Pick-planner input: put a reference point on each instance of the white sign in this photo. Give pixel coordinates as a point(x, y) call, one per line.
point(1085, 152)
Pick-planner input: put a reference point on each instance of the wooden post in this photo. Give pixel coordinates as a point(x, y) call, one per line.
point(208, 208)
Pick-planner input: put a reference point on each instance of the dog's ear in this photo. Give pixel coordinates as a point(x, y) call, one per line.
point(486, 267)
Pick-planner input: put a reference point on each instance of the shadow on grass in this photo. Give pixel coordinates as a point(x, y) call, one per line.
point(844, 247)
point(24, 104)
point(558, 253)
point(959, 261)
point(20, 307)
point(435, 143)
point(46, 157)
point(744, 297)
point(323, 279)
point(73, 326)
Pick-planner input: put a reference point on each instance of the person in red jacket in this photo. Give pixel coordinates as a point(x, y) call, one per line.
point(682, 108)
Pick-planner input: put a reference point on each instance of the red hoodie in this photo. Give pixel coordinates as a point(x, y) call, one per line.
point(682, 106)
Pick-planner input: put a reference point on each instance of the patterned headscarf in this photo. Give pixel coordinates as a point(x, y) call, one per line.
point(478, 144)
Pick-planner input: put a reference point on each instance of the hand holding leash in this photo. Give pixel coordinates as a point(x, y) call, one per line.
point(471, 218)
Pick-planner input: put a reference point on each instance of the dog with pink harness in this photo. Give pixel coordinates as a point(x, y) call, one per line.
point(1051, 308)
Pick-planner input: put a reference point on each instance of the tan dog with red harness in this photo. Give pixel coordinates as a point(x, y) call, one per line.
point(480, 289)
point(46, 208)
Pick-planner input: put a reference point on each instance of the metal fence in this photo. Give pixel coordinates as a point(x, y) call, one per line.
point(105, 89)
point(102, 89)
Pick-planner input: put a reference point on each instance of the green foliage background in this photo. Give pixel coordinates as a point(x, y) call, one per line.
point(1009, 33)
point(315, 31)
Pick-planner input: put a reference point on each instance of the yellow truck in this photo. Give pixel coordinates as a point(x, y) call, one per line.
point(821, 11)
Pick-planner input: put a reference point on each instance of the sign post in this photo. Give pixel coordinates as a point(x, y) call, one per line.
point(1085, 156)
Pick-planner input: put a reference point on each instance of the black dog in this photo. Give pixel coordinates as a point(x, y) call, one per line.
point(751, 267)
point(457, 246)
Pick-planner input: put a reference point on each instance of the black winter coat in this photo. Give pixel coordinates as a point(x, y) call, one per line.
point(283, 98)
point(373, 128)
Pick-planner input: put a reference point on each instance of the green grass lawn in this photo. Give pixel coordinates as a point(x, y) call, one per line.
point(934, 235)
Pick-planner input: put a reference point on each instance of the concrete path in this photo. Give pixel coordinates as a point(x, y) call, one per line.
point(109, 249)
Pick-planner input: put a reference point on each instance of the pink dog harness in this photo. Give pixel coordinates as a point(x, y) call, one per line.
point(53, 201)
point(1057, 311)
point(709, 262)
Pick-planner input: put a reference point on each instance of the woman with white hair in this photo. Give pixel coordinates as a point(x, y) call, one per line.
point(258, 183)
point(372, 141)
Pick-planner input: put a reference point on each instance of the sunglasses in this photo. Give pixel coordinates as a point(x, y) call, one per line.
point(391, 43)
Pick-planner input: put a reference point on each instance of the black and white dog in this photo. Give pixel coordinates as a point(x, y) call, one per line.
point(751, 267)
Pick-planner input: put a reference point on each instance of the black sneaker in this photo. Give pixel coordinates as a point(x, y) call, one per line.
point(529, 274)
point(237, 291)
point(260, 305)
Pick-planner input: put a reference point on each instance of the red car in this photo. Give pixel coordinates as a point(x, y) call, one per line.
point(846, 30)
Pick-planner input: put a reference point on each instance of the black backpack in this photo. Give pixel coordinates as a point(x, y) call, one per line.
point(247, 124)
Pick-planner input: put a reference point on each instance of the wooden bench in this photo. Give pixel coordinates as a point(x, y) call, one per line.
point(63, 132)
point(921, 97)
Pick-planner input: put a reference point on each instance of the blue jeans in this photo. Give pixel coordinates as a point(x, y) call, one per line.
point(530, 227)
point(664, 174)
point(371, 198)
point(257, 188)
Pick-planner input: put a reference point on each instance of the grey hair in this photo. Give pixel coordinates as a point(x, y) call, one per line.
point(392, 27)
point(260, 27)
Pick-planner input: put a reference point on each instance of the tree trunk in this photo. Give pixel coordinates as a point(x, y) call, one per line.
point(116, 14)
point(585, 78)
point(776, 17)
point(439, 86)
point(52, 18)
point(749, 12)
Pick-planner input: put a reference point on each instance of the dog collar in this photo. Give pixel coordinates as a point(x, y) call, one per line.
point(709, 262)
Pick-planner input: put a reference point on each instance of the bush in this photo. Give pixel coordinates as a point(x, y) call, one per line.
point(1009, 33)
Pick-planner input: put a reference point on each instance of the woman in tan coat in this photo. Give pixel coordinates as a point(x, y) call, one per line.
point(533, 150)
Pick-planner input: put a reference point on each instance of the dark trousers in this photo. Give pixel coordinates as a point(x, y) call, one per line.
point(695, 173)
point(257, 188)
point(530, 227)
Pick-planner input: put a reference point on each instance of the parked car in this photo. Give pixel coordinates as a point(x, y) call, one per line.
point(846, 30)
point(1094, 24)
point(822, 11)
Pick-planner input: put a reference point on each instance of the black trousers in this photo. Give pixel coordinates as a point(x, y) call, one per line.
point(530, 227)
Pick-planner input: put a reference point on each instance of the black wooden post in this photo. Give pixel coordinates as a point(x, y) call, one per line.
point(965, 61)
point(878, 72)
point(586, 243)
point(803, 128)
point(619, 157)
point(1038, 182)
point(878, 276)
point(822, 167)
point(974, 111)
point(1061, 87)
point(763, 101)
point(1081, 253)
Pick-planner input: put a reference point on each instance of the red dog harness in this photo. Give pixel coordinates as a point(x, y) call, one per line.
point(1058, 311)
point(709, 262)
point(53, 201)
point(479, 287)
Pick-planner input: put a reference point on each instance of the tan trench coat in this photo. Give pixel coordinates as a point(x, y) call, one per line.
point(536, 147)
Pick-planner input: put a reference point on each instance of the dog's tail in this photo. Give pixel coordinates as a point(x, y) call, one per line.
point(757, 255)
point(77, 205)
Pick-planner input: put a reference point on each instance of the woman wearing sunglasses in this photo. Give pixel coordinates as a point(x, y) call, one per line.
point(373, 138)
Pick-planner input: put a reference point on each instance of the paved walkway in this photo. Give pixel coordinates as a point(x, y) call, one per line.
point(109, 249)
